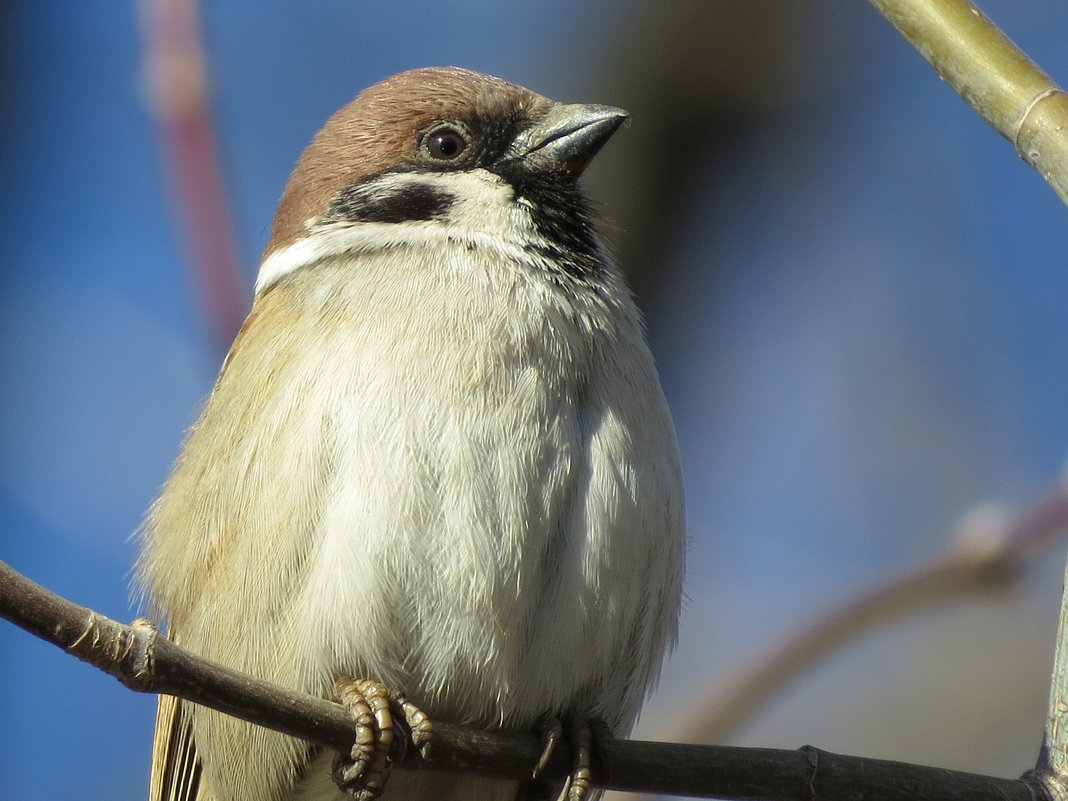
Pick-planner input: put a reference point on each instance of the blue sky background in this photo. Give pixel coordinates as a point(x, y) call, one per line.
point(859, 316)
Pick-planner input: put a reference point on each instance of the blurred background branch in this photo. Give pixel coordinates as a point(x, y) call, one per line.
point(987, 550)
point(176, 81)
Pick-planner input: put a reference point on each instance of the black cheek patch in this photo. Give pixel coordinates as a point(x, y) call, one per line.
point(562, 216)
point(406, 203)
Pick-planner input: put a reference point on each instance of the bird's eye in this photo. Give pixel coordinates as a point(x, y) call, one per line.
point(445, 142)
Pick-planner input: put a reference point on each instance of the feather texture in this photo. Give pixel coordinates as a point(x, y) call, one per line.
point(434, 459)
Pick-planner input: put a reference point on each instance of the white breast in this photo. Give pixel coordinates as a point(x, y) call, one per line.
point(501, 533)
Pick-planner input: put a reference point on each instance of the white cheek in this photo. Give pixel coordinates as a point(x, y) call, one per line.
point(485, 206)
point(485, 215)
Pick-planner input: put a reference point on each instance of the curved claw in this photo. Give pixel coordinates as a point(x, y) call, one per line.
point(552, 730)
point(584, 736)
point(581, 736)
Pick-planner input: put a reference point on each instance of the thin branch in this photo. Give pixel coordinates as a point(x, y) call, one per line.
point(1052, 768)
point(1000, 82)
point(985, 550)
point(145, 661)
point(176, 80)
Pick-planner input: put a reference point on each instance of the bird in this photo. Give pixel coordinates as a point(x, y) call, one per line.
point(437, 469)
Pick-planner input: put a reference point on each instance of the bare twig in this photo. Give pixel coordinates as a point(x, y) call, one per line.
point(1001, 83)
point(145, 661)
point(176, 79)
point(1052, 769)
point(984, 550)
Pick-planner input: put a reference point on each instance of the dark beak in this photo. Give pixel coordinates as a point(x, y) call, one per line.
point(566, 138)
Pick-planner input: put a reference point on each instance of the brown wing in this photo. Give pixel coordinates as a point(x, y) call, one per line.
point(175, 765)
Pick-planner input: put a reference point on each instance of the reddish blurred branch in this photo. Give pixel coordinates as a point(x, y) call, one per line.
point(176, 81)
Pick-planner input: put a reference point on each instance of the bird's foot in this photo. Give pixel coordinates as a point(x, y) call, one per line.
point(584, 736)
point(363, 772)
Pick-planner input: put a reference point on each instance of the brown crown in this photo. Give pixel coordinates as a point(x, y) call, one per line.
point(381, 128)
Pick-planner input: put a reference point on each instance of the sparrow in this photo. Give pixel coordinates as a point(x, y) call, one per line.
point(437, 474)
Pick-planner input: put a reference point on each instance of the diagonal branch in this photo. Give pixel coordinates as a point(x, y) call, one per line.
point(1001, 83)
point(144, 660)
point(986, 550)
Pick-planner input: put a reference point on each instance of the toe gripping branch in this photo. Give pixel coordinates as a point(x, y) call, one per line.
point(585, 737)
point(377, 711)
